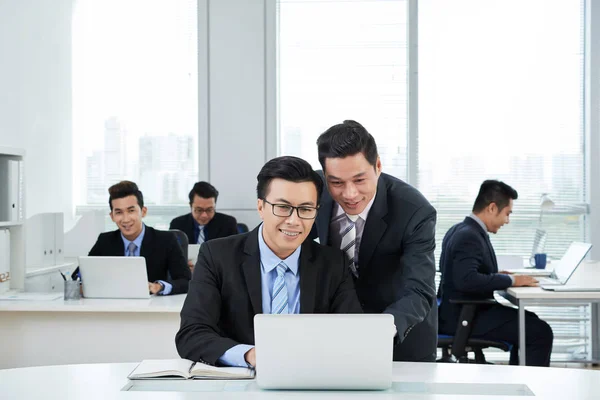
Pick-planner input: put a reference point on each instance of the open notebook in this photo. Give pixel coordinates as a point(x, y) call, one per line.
point(186, 369)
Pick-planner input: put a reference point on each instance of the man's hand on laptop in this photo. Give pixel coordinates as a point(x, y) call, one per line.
point(524, 280)
point(250, 357)
point(154, 287)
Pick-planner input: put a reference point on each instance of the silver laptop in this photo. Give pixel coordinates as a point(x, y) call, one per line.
point(566, 266)
point(114, 277)
point(324, 351)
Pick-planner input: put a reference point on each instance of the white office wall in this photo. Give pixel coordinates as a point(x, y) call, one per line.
point(35, 97)
point(237, 102)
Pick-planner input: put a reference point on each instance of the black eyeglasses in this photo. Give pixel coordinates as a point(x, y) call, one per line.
point(201, 211)
point(285, 210)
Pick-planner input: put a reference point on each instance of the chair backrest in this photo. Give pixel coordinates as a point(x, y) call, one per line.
point(182, 239)
point(242, 228)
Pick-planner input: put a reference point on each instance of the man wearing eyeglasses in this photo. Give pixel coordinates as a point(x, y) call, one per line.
point(271, 270)
point(203, 223)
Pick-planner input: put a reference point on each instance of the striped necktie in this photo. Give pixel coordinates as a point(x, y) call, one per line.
point(348, 244)
point(279, 300)
point(132, 247)
point(200, 235)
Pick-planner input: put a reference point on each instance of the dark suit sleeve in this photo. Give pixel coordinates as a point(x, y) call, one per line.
point(199, 337)
point(416, 294)
point(467, 258)
point(177, 265)
point(345, 300)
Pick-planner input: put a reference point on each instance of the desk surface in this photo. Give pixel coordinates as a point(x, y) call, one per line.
point(155, 304)
point(416, 381)
point(586, 275)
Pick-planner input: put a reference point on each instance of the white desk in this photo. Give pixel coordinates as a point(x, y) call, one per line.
point(587, 274)
point(55, 332)
point(411, 381)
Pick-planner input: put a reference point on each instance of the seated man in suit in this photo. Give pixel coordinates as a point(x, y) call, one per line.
point(163, 254)
point(470, 271)
point(204, 223)
point(271, 270)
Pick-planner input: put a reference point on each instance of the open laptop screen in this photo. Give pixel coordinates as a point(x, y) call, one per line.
point(572, 258)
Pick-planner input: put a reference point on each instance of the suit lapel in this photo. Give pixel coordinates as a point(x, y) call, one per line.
point(324, 217)
point(191, 228)
point(147, 243)
point(308, 278)
point(251, 270)
point(117, 247)
point(375, 226)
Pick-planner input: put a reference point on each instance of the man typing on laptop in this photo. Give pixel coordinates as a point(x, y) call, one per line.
point(166, 265)
point(470, 272)
point(270, 270)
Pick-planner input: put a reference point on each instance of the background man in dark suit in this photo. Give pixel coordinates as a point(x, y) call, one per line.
point(204, 223)
point(133, 238)
point(271, 270)
point(387, 229)
point(470, 271)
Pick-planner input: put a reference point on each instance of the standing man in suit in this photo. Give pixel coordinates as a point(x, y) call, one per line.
point(203, 223)
point(387, 229)
point(270, 270)
point(133, 238)
point(470, 272)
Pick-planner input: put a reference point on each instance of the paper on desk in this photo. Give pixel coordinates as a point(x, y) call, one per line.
point(31, 296)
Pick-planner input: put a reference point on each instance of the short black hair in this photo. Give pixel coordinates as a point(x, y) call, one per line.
point(288, 168)
point(123, 189)
point(346, 139)
point(204, 190)
point(493, 191)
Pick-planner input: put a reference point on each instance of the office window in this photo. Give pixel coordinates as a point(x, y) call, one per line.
point(135, 102)
point(341, 60)
point(501, 97)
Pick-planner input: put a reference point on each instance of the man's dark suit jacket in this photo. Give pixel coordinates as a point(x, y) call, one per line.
point(164, 257)
point(396, 264)
point(470, 271)
point(222, 225)
point(225, 293)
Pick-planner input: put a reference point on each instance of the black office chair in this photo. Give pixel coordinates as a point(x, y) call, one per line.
point(182, 239)
point(242, 228)
point(456, 348)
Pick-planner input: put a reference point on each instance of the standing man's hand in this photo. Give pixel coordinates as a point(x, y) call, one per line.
point(524, 280)
point(250, 356)
point(191, 265)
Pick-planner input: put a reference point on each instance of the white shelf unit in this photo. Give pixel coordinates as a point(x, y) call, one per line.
point(12, 214)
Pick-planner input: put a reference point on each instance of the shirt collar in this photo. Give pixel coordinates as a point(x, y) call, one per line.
point(338, 210)
point(138, 240)
point(269, 260)
point(479, 221)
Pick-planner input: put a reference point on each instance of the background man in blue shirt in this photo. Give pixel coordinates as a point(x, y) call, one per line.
point(259, 272)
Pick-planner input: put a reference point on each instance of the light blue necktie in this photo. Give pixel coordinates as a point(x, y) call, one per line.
point(132, 247)
point(200, 235)
point(279, 302)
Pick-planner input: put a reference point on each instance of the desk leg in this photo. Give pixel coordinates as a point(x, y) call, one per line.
point(595, 314)
point(522, 359)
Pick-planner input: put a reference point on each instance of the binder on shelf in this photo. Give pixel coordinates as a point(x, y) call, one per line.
point(4, 260)
point(9, 199)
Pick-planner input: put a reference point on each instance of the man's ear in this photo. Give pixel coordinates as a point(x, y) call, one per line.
point(493, 208)
point(144, 211)
point(260, 206)
point(111, 216)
